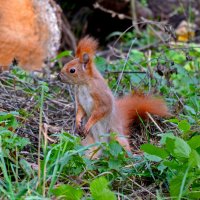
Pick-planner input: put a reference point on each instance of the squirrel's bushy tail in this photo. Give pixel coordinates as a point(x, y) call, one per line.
point(135, 106)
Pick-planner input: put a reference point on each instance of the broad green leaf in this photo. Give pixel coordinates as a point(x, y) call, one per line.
point(171, 164)
point(152, 157)
point(170, 144)
point(175, 186)
point(194, 194)
point(100, 191)
point(181, 148)
point(68, 192)
point(61, 55)
point(153, 150)
point(173, 120)
point(98, 185)
point(194, 159)
point(165, 136)
point(115, 148)
point(114, 164)
point(184, 126)
point(194, 142)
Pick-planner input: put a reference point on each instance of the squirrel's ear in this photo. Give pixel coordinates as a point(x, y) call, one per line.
point(85, 58)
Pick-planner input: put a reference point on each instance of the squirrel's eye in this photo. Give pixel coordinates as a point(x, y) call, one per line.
point(72, 70)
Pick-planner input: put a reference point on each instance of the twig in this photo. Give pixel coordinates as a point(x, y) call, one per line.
point(40, 134)
point(124, 72)
point(151, 118)
point(144, 189)
point(45, 133)
point(134, 16)
point(127, 57)
point(111, 12)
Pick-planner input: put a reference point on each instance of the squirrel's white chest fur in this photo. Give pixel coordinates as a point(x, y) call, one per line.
point(86, 101)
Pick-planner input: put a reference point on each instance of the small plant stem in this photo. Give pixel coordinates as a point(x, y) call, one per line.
point(17, 164)
point(40, 134)
point(126, 60)
point(147, 132)
point(45, 163)
point(183, 183)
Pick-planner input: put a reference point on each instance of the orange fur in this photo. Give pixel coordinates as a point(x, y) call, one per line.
point(133, 107)
point(23, 35)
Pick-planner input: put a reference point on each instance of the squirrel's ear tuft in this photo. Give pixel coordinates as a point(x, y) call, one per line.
point(86, 49)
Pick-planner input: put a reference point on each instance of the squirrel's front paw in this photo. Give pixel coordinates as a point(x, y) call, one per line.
point(86, 129)
point(80, 130)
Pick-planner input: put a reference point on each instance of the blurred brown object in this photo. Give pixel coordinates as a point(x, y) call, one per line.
point(27, 34)
point(185, 31)
point(175, 11)
point(123, 8)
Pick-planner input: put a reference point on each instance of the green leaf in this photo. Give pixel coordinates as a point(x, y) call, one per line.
point(100, 191)
point(165, 136)
point(115, 148)
point(181, 148)
point(61, 55)
point(152, 157)
point(194, 159)
point(9, 119)
point(178, 184)
point(184, 126)
point(175, 121)
point(161, 167)
point(170, 144)
point(194, 194)
point(114, 164)
point(68, 192)
point(153, 150)
point(137, 55)
point(194, 142)
point(171, 164)
point(26, 167)
point(175, 186)
point(177, 57)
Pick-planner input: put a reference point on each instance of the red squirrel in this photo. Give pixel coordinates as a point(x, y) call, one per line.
point(96, 104)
